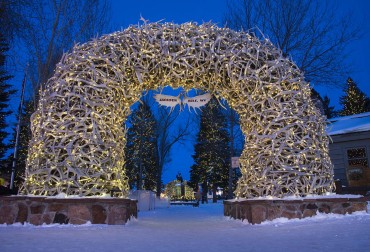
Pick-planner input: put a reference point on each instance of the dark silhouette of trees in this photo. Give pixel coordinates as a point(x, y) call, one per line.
point(329, 111)
point(5, 93)
point(309, 31)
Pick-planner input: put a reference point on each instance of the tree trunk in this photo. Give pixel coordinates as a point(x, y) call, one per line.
point(204, 192)
point(230, 184)
point(214, 191)
point(159, 184)
point(159, 187)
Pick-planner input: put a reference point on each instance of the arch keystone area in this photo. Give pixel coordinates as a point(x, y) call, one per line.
point(78, 137)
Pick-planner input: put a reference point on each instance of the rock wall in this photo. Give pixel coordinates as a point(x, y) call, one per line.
point(256, 211)
point(39, 210)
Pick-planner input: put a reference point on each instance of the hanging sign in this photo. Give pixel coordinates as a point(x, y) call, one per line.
point(182, 100)
point(168, 100)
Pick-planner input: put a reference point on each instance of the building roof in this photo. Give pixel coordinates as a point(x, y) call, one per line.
point(349, 124)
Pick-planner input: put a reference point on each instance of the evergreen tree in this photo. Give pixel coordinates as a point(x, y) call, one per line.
point(5, 93)
point(317, 101)
point(354, 101)
point(174, 191)
point(322, 104)
point(141, 164)
point(212, 151)
point(236, 138)
point(328, 110)
point(24, 138)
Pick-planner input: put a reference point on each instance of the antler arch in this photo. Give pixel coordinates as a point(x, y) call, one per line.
point(78, 136)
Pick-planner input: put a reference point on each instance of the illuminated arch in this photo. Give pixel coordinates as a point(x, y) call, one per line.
point(78, 139)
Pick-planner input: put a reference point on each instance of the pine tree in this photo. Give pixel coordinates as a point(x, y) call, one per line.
point(5, 93)
point(212, 151)
point(317, 101)
point(328, 110)
point(24, 138)
point(354, 101)
point(141, 164)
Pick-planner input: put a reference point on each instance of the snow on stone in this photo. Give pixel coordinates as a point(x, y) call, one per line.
point(312, 196)
point(65, 196)
point(332, 195)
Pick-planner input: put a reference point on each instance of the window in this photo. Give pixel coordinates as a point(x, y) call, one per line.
point(357, 157)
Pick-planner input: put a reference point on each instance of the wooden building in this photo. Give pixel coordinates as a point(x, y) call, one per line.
point(350, 150)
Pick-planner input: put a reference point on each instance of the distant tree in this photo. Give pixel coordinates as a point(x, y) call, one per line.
point(317, 100)
point(236, 144)
point(329, 111)
point(309, 31)
point(354, 101)
point(141, 152)
point(212, 151)
point(167, 136)
point(10, 18)
point(322, 104)
point(44, 29)
point(47, 28)
point(23, 142)
point(5, 93)
point(174, 191)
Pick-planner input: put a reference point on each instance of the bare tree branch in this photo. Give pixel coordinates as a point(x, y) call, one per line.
point(167, 138)
point(310, 31)
point(50, 27)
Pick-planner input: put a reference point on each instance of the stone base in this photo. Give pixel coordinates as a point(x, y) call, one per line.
point(256, 211)
point(39, 210)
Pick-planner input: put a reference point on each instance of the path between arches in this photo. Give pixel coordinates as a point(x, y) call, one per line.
point(184, 228)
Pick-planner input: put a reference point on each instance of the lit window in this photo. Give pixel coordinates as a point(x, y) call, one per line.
point(357, 157)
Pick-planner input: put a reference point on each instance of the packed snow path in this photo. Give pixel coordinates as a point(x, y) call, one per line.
point(186, 228)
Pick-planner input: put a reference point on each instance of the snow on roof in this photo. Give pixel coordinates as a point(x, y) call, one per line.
point(349, 124)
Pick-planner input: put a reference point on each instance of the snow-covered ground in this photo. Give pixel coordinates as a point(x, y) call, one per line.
point(186, 228)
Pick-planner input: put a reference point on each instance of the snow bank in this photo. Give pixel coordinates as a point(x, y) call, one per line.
point(184, 228)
